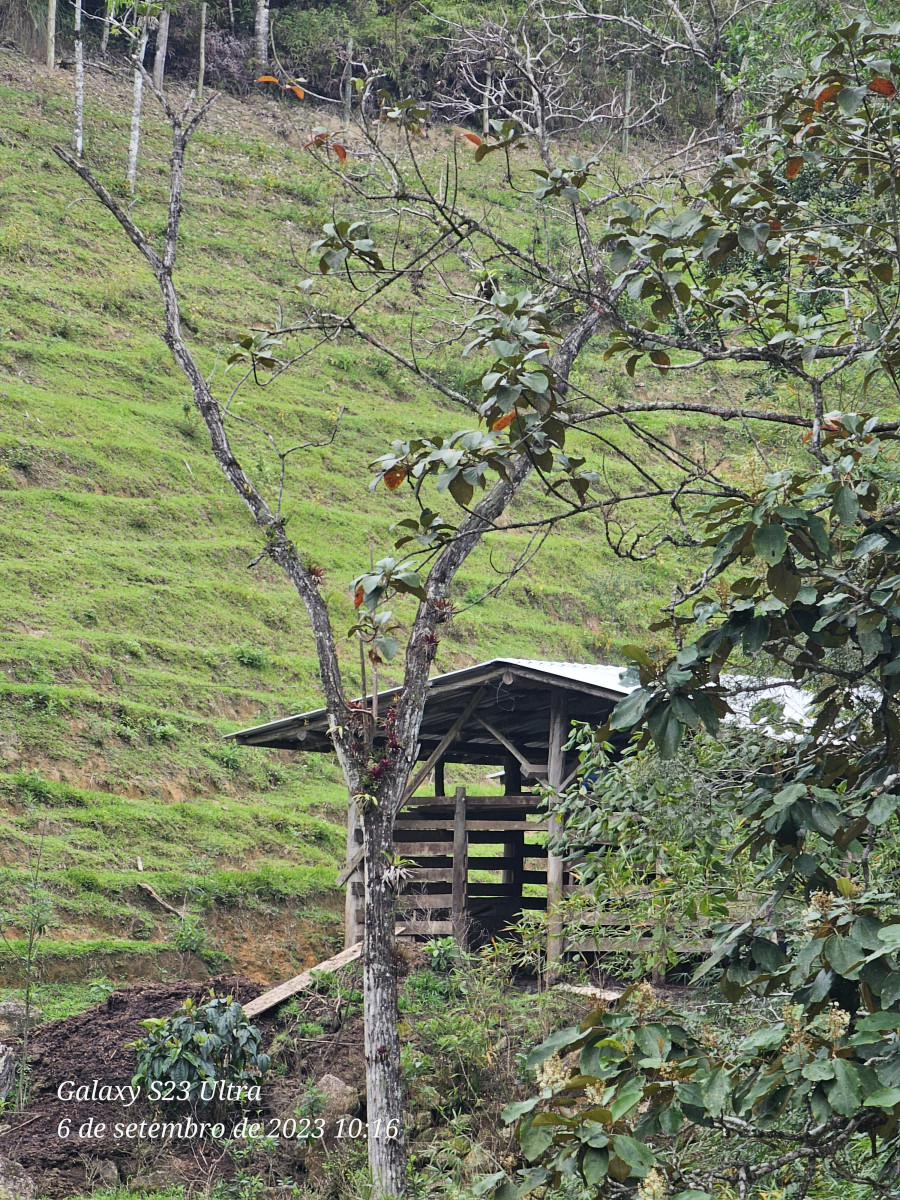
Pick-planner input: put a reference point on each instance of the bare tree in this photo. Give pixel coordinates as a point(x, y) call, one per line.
point(51, 34)
point(136, 103)
point(162, 45)
point(261, 33)
point(529, 68)
point(201, 70)
point(107, 25)
point(677, 30)
point(78, 123)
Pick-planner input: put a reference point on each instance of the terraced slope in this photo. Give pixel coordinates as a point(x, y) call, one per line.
point(135, 632)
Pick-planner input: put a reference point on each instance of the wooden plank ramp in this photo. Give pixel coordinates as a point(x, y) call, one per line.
point(290, 987)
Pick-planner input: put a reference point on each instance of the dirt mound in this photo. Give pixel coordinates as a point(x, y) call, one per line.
point(92, 1046)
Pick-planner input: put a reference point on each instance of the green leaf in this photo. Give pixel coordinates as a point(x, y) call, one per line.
point(762, 1039)
point(665, 729)
point(630, 709)
point(638, 1156)
point(770, 542)
point(844, 1093)
point(715, 1090)
point(845, 505)
point(883, 1098)
point(513, 1112)
point(850, 98)
point(594, 1166)
point(535, 1140)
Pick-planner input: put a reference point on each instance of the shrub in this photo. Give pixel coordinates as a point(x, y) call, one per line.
point(254, 657)
point(200, 1043)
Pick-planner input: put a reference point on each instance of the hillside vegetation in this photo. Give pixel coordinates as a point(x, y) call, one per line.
point(137, 631)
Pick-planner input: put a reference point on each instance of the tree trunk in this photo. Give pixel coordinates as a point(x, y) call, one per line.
point(486, 99)
point(51, 34)
point(347, 83)
point(135, 140)
point(202, 70)
point(261, 34)
point(78, 124)
point(107, 13)
point(626, 120)
point(384, 1101)
point(162, 45)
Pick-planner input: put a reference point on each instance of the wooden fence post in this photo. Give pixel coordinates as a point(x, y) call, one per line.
point(556, 770)
point(460, 868)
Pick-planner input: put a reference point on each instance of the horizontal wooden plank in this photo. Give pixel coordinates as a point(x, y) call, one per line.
point(424, 849)
point(417, 824)
point(429, 874)
point(412, 903)
point(441, 805)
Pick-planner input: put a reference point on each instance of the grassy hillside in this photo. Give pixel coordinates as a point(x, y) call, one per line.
point(134, 633)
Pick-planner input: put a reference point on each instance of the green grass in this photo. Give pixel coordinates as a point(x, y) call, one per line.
point(136, 631)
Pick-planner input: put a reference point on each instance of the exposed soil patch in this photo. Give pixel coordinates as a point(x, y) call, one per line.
point(87, 1047)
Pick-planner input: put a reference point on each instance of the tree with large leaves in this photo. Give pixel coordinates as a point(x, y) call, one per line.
point(804, 575)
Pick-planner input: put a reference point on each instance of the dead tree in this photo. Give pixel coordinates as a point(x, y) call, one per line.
point(78, 122)
point(529, 69)
point(669, 32)
point(162, 45)
point(261, 33)
point(51, 34)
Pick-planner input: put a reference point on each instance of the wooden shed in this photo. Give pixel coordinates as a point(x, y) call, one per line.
point(510, 713)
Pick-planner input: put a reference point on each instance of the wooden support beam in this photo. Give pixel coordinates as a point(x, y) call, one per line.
point(530, 768)
point(439, 750)
point(460, 869)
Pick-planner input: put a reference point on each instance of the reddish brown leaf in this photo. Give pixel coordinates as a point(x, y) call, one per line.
point(505, 421)
point(793, 168)
point(267, 79)
point(393, 478)
point(340, 151)
point(825, 95)
point(358, 597)
point(882, 86)
point(298, 92)
point(319, 140)
point(473, 138)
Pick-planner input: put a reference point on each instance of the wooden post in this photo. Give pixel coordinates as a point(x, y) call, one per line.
point(353, 904)
point(512, 786)
point(556, 770)
point(460, 868)
point(439, 787)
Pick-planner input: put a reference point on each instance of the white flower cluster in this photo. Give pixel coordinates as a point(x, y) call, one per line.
point(552, 1074)
point(654, 1186)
